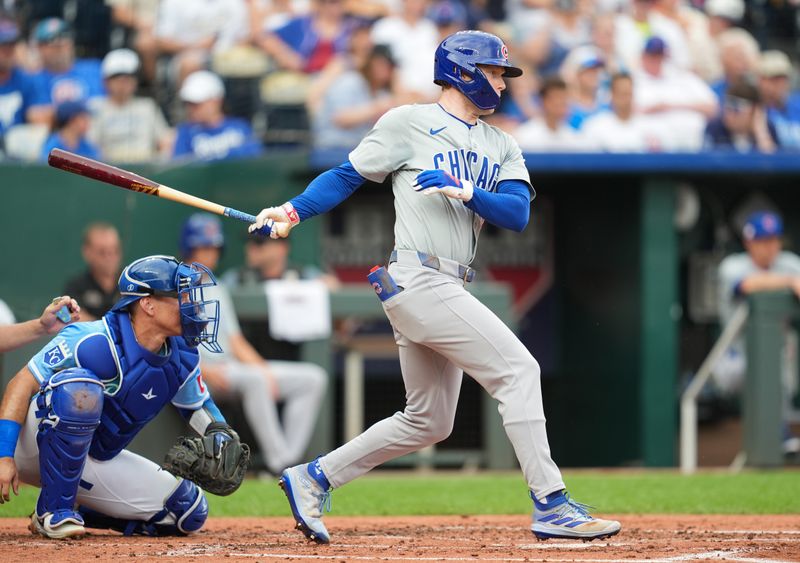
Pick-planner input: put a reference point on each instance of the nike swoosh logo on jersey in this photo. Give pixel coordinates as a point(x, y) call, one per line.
point(437, 131)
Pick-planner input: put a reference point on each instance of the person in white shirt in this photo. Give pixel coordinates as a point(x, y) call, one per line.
point(191, 31)
point(413, 39)
point(636, 25)
point(619, 129)
point(127, 128)
point(678, 103)
point(550, 133)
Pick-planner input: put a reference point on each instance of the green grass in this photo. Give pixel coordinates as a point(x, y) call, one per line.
point(648, 492)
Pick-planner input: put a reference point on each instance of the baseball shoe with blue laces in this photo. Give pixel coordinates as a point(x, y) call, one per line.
point(559, 516)
point(309, 495)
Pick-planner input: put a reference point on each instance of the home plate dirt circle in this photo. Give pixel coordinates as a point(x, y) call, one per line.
point(645, 539)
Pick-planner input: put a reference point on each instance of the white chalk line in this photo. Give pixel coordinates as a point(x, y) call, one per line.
point(716, 555)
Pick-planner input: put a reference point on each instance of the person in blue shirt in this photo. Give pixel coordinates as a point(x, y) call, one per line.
point(208, 134)
point(742, 126)
point(63, 78)
point(782, 105)
point(68, 416)
point(307, 43)
point(72, 125)
point(17, 88)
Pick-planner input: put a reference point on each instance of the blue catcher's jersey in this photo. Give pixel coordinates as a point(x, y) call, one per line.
point(138, 383)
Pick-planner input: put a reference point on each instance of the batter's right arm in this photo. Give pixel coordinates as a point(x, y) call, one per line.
point(12, 415)
point(324, 193)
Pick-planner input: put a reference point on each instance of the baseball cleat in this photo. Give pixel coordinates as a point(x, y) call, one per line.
point(307, 500)
point(58, 525)
point(562, 517)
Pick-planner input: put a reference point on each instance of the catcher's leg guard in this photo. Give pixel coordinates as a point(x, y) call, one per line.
point(185, 511)
point(70, 404)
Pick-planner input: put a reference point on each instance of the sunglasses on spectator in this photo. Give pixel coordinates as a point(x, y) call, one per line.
point(737, 105)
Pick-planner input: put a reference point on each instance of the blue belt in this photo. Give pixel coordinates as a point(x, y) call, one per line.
point(464, 272)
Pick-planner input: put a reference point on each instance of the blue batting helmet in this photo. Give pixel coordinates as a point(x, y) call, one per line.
point(460, 54)
point(201, 230)
point(165, 276)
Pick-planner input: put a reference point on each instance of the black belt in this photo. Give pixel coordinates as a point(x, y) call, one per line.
point(464, 272)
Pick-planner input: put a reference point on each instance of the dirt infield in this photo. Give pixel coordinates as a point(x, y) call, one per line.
point(649, 539)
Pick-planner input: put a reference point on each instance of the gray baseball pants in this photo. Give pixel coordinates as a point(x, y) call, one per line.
point(441, 331)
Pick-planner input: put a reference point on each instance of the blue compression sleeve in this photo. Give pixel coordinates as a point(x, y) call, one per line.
point(509, 207)
point(327, 190)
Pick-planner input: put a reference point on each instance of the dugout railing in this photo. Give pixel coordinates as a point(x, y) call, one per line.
point(764, 319)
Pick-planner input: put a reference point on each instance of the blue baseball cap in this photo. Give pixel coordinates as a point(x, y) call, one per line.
point(590, 60)
point(50, 29)
point(201, 230)
point(761, 225)
point(9, 32)
point(448, 12)
point(67, 110)
point(655, 46)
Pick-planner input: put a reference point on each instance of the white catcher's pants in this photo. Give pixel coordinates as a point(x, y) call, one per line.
point(441, 329)
point(128, 486)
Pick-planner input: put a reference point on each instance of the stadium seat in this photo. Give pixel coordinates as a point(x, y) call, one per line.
point(283, 95)
point(24, 142)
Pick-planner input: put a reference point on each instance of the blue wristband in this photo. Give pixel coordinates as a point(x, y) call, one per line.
point(9, 432)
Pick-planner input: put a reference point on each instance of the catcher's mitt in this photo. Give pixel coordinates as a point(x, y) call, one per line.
point(216, 462)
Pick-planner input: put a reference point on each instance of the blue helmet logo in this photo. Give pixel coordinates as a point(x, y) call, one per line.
point(456, 63)
point(165, 276)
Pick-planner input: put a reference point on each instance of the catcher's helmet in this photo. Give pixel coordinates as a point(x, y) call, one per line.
point(165, 276)
point(201, 230)
point(461, 53)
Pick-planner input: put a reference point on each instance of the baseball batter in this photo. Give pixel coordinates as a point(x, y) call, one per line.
point(67, 417)
point(450, 172)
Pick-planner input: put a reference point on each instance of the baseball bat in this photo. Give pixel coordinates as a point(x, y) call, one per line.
point(83, 166)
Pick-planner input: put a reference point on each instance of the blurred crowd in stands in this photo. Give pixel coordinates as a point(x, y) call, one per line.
point(154, 80)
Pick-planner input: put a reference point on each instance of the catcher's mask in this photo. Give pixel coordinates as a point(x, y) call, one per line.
point(165, 276)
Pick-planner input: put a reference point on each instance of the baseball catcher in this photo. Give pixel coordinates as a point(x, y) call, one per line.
point(68, 415)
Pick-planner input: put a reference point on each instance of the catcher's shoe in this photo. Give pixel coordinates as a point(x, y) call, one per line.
point(561, 517)
point(308, 499)
point(61, 524)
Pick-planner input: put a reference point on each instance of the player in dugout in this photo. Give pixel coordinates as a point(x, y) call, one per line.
point(68, 415)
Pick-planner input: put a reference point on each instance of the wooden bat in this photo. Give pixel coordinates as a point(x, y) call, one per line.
point(83, 166)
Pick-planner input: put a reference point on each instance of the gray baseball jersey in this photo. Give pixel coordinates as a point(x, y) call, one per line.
point(735, 268)
point(410, 139)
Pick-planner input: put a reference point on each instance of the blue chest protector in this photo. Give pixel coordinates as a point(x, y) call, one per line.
point(147, 382)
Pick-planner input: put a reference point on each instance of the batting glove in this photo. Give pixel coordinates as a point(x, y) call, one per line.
point(275, 221)
point(438, 181)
